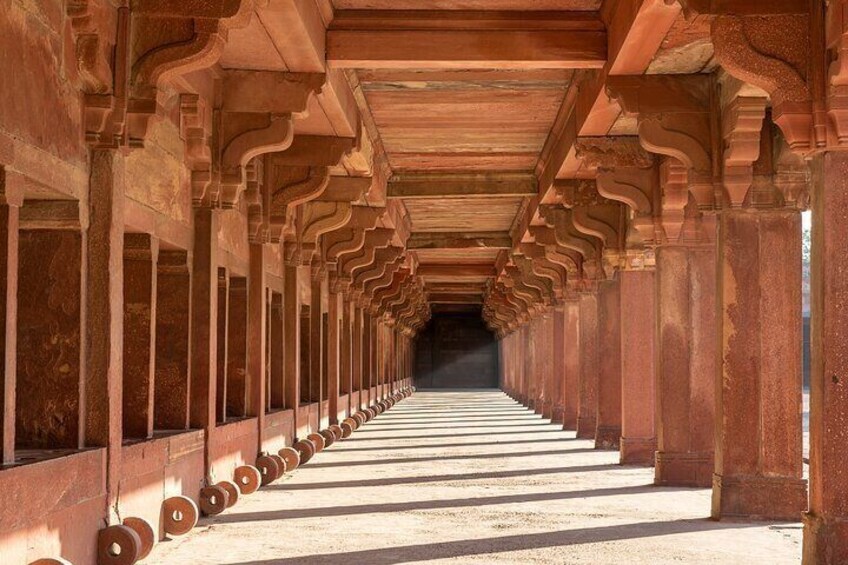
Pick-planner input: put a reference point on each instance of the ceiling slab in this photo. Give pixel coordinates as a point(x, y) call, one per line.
point(432, 39)
point(440, 186)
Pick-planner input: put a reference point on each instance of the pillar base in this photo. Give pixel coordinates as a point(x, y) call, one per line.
point(760, 498)
point(607, 437)
point(586, 427)
point(569, 421)
point(638, 451)
point(825, 540)
point(689, 469)
point(556, 415)
point(547, 409)
point(531, 403)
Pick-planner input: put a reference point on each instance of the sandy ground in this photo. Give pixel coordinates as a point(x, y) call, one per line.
point(472, 477)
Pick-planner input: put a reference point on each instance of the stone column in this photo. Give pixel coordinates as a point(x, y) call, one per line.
point(276, 373)
point(608, 431)
point(256, 338)
point(221, 336)
point(587, 394)
point(316, 322)
point(333, 357)
point(9, 225)
point(547, 364)
point(686, 344)
point(236, 393)
point(141, 253)
point(173, 335)
point(204, 324)
point(638, 368)
point(529, 366)
point(758, 463)
point(826, 523)
point(291, 343)
point(571, 364)
point(104, 314)
point(346, 358)
point(356, 360)
point(558, 359)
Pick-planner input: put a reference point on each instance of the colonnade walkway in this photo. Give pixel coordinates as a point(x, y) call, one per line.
point(473, 477)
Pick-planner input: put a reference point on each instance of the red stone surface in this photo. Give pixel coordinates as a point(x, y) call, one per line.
point(587, 387)
point(638, 330)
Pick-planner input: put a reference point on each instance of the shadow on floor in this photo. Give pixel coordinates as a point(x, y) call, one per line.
point(378, 461)
point(390, 428)
point(335, 511)
point(488, 546)
point(553, 440)
point(358, 438)
point(448, 478)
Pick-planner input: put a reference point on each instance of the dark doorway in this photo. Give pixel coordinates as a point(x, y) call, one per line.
point(456, 350)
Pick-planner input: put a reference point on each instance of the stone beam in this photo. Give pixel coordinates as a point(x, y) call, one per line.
point(455, 299)
point(457, 271)
point(465, 40)
point(440, 186)
point(459, 240)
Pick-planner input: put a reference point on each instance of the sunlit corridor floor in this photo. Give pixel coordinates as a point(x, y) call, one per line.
point(473, 477)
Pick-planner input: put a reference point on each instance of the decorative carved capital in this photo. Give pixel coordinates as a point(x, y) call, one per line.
point(742, 126)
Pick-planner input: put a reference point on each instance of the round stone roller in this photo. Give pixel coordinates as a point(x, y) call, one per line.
point(117, 545)
point(233, 492)
point(337, 431)
point(281, 464)
point(248, 478)
point(318, 440)
point(329, 437)
point(51, 561)
point(214, 499)
point(145, 534)
point(268, 469)
point(306, 449)
point(291, 456)
point(180, 515)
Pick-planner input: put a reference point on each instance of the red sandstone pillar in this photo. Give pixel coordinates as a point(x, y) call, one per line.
point(356, 354)
point(236, 391)
point(530, 365)
point(315, 344)
point(638, 368)
point(333, 359)
point(547, 364)
point(345, 359)
point(204, 324)
point(141, 253)
point(276, 374)
point(366, 359)
point(558, 360)
point(826, 523)
point(571, 364)
point(223, 307)
point(608, 431)
point(9, 223)
point(256, 339)
point(104, 315)
point(687, 371)
point(291, 344)
point(758, 463)
point(173, 335)
point(587, 396)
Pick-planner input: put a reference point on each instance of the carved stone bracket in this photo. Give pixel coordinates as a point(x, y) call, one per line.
point(773, 53)
point(674, 119)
